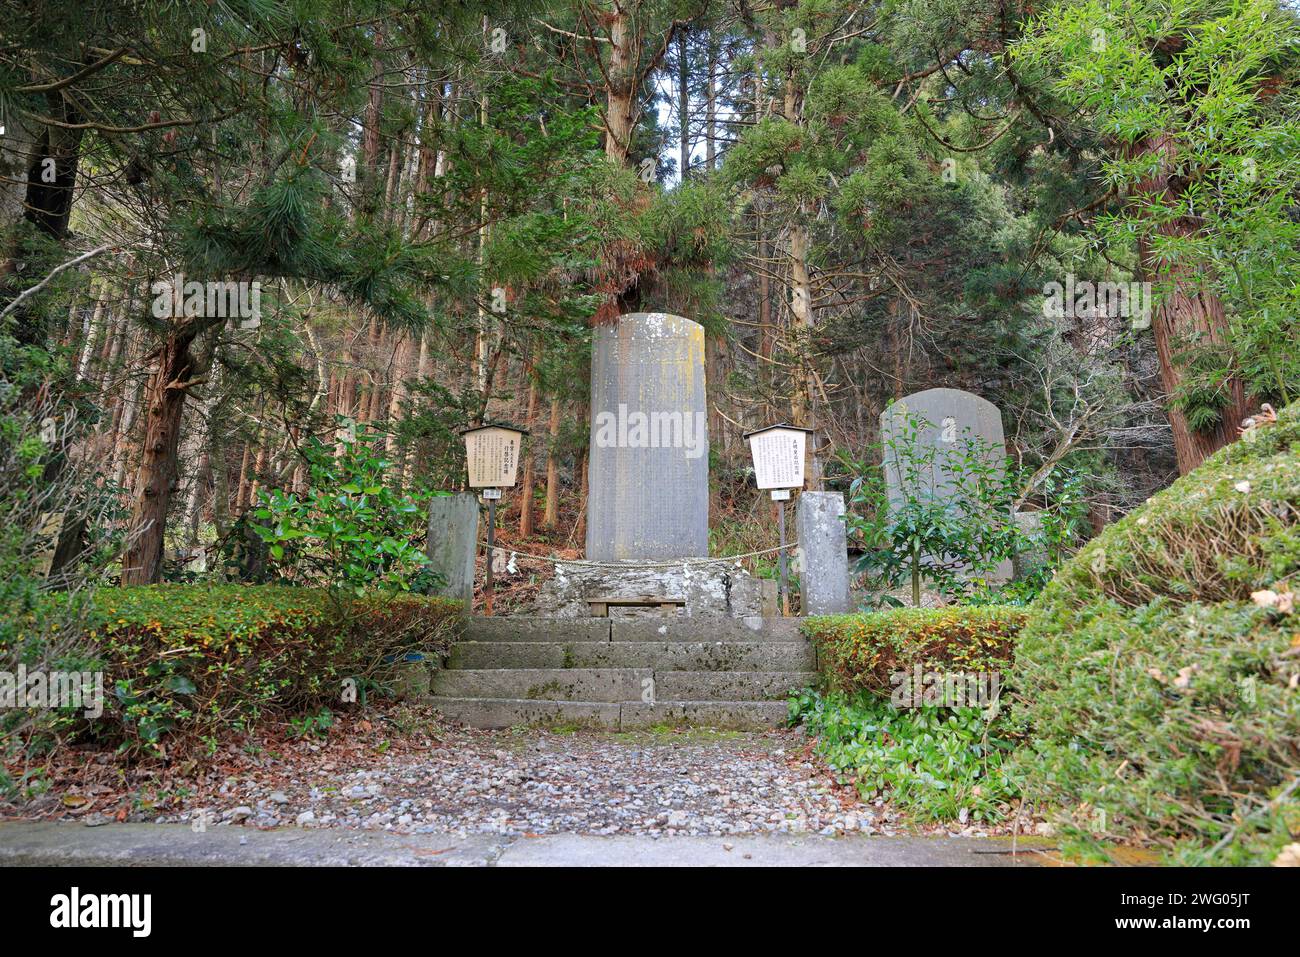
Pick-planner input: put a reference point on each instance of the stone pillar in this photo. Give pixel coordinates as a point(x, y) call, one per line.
point(1034, 556)
point(648, 463)
point(453, 541)
point(823, 553)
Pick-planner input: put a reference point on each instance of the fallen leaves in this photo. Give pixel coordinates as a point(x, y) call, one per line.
point(1264, 417)
point(1283, 602)
point(1289, 856)
point(96, 786)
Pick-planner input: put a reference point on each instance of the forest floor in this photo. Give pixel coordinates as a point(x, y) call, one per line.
point(404, 771)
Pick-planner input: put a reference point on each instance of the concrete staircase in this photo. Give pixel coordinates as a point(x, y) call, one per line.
point(624, 673)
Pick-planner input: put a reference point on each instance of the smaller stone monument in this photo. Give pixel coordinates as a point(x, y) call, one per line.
point(948, 419)
point(823, 556)
point(453, 540)
point(1035, 556)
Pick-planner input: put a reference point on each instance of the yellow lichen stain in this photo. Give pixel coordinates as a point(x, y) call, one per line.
point(1118, 855)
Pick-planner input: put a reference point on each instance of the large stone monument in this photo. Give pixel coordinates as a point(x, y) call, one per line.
point(648, 481)
point(947, 421)
point(648, 471)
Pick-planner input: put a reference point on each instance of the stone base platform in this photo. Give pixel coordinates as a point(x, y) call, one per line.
point(709, 590)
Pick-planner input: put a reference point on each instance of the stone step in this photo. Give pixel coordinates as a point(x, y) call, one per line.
point(518, 712)
point(730, 685)
point(658, 655)
point(731, 715)
point(625, 716)
point(680, 628)
point(621, 684)
point(537, 629)
point(544, 684)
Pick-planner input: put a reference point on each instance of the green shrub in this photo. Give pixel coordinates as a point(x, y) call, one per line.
point(1161, 697)
point(205, 659)
point(932, 763)
point(352, 530)
point(954, 542)
point(860, 652)
point(46, 494)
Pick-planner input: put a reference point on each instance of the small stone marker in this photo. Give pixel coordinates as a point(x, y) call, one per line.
point(1034, 556)
point(648, 470)
point(823, 553)
point(453, 540)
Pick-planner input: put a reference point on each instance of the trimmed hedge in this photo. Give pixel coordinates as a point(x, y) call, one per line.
point(859, 652)
point(205, 659)
point(1158, 671)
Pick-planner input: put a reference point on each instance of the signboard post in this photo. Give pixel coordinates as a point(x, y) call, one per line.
point(778, 454)
point(492, 460)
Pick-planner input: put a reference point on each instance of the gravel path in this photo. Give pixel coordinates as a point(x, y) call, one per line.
point(404, 770)
point(688, 783)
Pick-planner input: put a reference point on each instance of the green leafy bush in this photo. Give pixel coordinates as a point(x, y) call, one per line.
point(860, 652)
point(932, 763)
point(351, 530)
point(1158, 671)
point(60, 531)
point(955, 541)
point(205, 659)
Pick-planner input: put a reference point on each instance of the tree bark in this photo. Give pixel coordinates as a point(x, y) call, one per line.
point(397, 395)
point(241, 487)
point(620, 88)
point(48, 157)
point(711, 107)
point(526, 498)
point(1187, 312)
point(156, 479)
point(370, 180)
point(551, 517)
point(683, 108)
point(804, 380)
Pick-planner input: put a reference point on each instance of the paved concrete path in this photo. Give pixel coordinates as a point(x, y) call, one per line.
point(138, 845)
